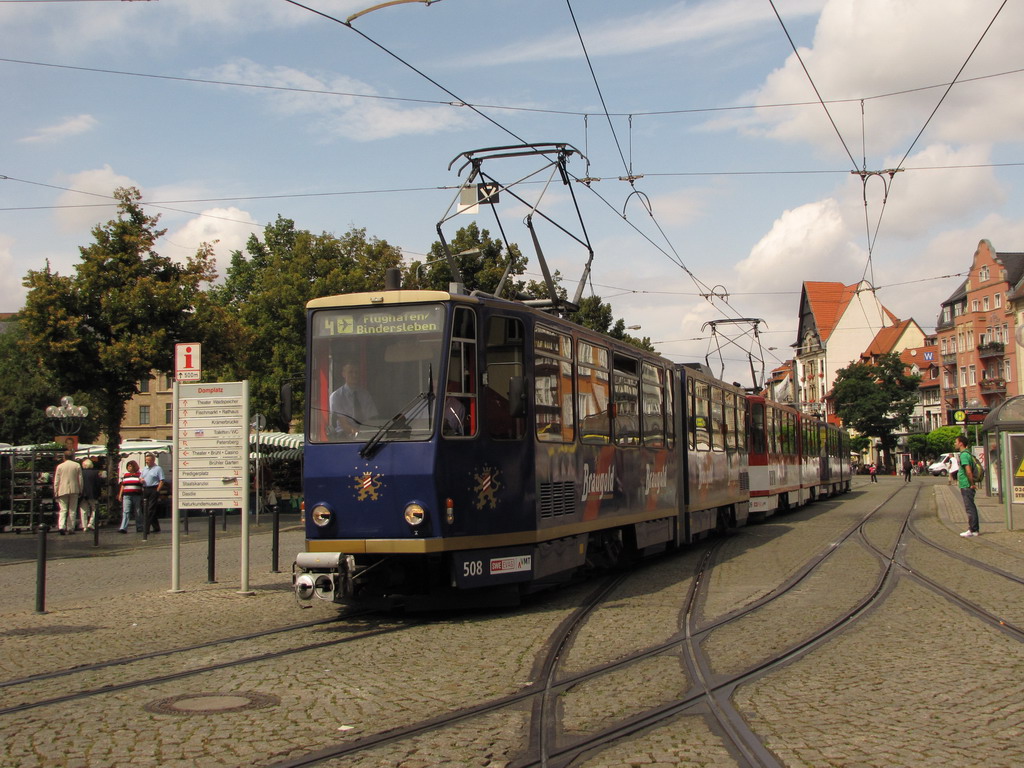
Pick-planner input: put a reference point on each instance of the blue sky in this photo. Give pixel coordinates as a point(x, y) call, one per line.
point(231, 112)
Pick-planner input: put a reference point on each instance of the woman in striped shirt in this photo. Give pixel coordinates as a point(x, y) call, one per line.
point(130, 496)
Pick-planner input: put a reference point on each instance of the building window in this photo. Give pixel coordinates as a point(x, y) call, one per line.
point(975, 306)
point(143, 414)
point(943, 346)
point(144, 387)
point(983, 274)
point(984, 303)
point(973, 374)
point(168, 413)
point(945, 315)
point(1007, 368)
point(999, 300)
point(963, 376)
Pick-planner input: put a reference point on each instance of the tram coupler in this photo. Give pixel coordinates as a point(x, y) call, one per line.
point(326, 575)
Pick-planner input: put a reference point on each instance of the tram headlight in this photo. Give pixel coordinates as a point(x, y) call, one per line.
point(320, 515)
point(415, 514)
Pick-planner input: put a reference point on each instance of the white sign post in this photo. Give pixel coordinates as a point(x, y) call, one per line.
point(211, 456)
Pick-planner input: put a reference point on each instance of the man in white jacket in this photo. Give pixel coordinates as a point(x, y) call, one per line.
point(67, 485)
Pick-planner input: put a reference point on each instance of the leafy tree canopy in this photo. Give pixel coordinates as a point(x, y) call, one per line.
point(940, 440)
point(106, 327)
point(26, 389)
point(876, 399)
point(481, 259)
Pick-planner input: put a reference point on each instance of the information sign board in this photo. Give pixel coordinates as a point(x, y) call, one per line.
point(211, 464)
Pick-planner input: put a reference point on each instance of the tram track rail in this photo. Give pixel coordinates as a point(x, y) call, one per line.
point(189, 672)
point(544, 747)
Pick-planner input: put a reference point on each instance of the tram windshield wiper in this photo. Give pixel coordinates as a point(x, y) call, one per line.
point(401, 420)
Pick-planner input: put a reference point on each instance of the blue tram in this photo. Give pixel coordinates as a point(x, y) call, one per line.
point(458, 442)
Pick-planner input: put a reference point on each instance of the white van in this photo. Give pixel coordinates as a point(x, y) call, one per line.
point(946, 465)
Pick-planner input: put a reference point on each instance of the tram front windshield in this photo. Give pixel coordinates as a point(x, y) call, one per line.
point(374, 370)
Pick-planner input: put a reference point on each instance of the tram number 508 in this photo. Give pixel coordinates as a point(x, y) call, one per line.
point(473, 568)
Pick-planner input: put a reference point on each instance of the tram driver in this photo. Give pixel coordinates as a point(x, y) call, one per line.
point(352, 408)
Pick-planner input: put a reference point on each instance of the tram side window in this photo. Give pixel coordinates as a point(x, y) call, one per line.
point(790, 444)
point(460, 402)
point(717, 420)
point(553, 396)
point(772, 430)
point(653, 406)
point(702, 416)
point(504, 349)
point(741, 422)
point(670, 410)
point(730, 421)
point(757, 428)
point(593, 394)
point(626, 394)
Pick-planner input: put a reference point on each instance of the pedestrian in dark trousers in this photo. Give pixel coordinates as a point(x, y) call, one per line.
point(966, 481)
point(908, 468)
point(873, 471)
point(152, 484)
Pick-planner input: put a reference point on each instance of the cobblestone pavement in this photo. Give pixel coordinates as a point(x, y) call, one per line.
point(915, 681)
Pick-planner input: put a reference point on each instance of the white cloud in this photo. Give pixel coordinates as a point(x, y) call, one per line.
point(91, 202)
point(812, 242)
point(713, 21)
point(12, 293)
point(71, 126)
point(227, 229)
point(119, 26)
point(339, 102)
point(919, 201)
point(866, 48)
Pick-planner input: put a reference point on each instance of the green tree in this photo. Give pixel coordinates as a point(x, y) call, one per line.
point(26, 389)
point(481, 259)
point(106, 327)
point(876, 399)
point(266, 290)
point(940, 440)
point(917, 445)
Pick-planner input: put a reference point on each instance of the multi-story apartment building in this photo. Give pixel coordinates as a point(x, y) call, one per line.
point(976, 333)
point(924, 362)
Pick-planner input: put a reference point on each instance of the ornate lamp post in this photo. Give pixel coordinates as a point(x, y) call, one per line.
point(67, 417)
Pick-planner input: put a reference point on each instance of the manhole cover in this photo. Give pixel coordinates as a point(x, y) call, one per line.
point(211, 703)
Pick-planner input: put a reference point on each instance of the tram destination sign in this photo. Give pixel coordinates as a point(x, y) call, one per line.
point(371, 322)
point(212, 435)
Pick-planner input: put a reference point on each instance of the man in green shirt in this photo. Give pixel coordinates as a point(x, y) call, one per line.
point(966, 480)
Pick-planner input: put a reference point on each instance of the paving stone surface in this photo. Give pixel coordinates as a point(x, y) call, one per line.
point(914, 681)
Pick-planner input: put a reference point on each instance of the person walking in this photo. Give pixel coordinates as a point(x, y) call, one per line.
point(873, 471)
point(130, 496)
point(966, 481)
point(908, 468)
point(67, 486)
point(89, 499)
point(152, 484)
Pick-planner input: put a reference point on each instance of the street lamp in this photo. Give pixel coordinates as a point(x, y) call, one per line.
point(67, 417)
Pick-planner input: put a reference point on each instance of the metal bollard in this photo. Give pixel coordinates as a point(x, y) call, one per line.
point(224, 520)
point(186, 511)
point(211, 551)
point(275, 540)
point(41, 570)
